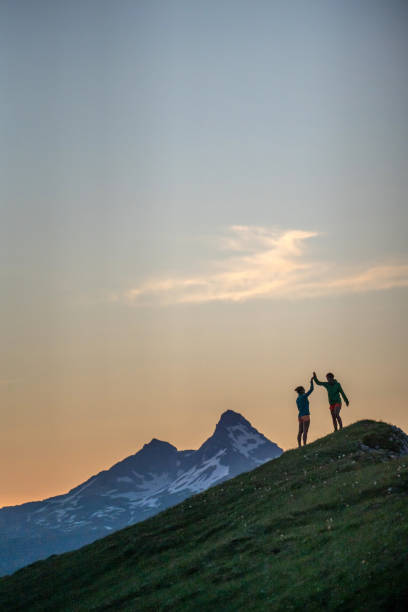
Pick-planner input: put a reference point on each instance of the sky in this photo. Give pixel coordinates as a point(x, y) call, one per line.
point(201, 203)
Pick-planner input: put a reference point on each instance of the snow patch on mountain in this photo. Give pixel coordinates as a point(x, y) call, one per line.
point(243, 441)
point(198, 479)
point(124, 479)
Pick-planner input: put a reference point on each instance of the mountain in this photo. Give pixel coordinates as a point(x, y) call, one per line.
point(323, 527)
point(156, 477)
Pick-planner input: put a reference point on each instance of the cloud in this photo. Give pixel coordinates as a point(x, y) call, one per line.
point(265, 263)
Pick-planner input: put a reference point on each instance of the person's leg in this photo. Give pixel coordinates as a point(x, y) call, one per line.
point(338, 417)
point(305, 430)
point(299, 437)
point(334, 419)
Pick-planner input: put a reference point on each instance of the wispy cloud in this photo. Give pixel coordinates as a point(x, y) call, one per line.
point(258, 262)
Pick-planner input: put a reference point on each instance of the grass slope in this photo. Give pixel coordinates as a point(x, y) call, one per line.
point(322, 527)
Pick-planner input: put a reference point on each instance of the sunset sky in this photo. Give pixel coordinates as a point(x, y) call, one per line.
point(202, 201)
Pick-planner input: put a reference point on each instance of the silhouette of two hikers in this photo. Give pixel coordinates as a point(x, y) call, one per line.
point(334, 390)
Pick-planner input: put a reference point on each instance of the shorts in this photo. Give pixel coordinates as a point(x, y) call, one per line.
point(304, 419)
point(335, 407)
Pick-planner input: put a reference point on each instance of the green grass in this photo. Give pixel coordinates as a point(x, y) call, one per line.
point(324, 527)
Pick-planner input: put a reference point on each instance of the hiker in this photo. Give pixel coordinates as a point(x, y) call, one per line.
point(334, 391)
point(304, 412)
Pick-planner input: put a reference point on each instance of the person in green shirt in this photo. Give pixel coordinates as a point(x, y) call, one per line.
point(334, 391)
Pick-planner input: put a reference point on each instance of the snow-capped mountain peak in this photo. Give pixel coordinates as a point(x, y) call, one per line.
point(237, 436)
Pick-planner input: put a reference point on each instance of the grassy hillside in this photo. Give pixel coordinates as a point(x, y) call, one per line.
point(322, 527)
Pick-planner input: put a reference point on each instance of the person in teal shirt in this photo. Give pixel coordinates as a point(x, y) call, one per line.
point(302, 402)
point(334, 391)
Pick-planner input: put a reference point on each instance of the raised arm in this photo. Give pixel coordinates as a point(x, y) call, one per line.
point(317, 381)
point(311, 387)
point(344, 396)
